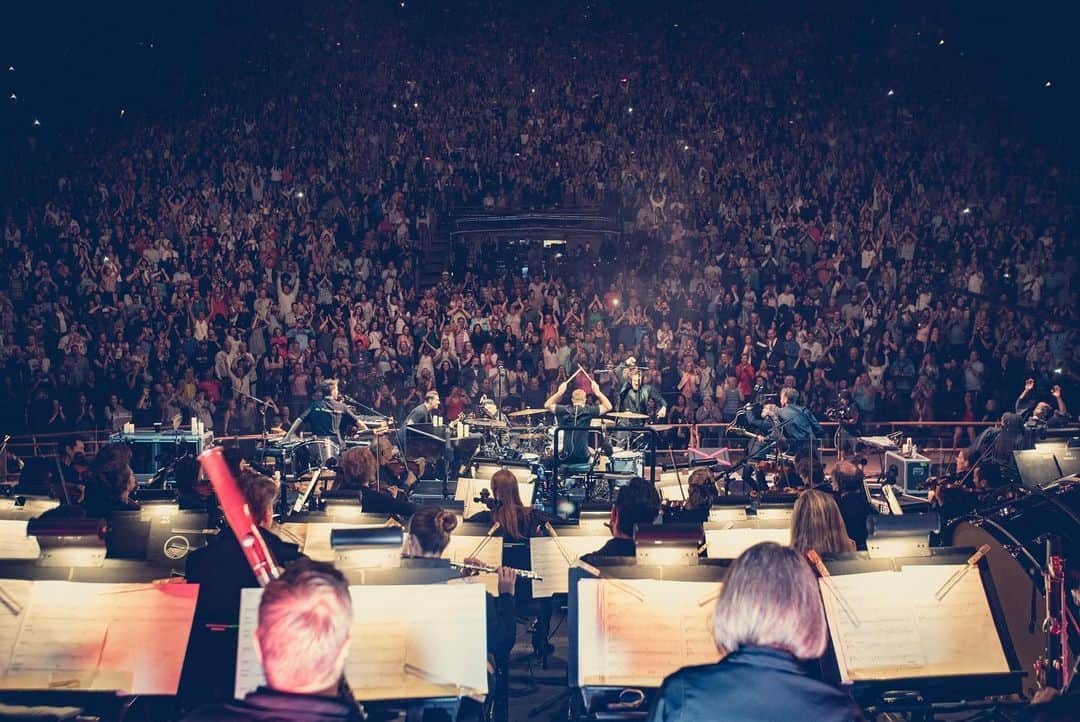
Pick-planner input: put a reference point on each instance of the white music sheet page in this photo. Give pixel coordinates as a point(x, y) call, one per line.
point(461, 547)
point(548, 561)
point(903, 631)
point(408, 642)
point(14, 544)
point(626, 641)
point(730, 543)
point(126, 637)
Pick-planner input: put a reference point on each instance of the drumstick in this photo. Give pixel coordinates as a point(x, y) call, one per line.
point(952, 581)
point(822, 570)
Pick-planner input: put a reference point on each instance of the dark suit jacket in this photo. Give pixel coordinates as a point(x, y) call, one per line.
point(222, 571)
point(615, 547)
point(266, 705)
point(754, 683)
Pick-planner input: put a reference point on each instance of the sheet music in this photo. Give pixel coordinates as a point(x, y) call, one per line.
point(408, 642)
point(16, 592)
point(126, 637)
point(14, 544)
point(730, 543)
point(32, 507)
point(904, 631)
point(624, 641)
point(492, 553)
point(548, 561)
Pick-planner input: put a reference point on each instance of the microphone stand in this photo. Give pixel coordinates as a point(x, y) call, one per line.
point(363, 407)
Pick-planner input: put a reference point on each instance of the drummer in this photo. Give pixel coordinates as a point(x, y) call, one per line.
point(328, 416)
point(490, 411)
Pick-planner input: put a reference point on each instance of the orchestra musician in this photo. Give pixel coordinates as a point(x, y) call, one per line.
point(222, 571)
point(428, 536)
point(328, 416)
point(110, 482)
point(221, 567)
point(393, 468)
point(769, 620)
point(302, 640)
point(574, 446)
point(816, 524)
point(636, 503)
point(851, 499)
point(357, 470)
point(701, 492)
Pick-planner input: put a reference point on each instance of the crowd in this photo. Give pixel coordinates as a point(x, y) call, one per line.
point(781, 227)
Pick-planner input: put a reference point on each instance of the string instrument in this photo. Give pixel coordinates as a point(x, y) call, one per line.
point(398, 468)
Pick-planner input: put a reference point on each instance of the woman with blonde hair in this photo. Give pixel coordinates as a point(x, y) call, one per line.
point(816, 524)
point(768, 621)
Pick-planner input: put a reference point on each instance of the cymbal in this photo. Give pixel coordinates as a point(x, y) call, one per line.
point(661, 427)
point(626, 415)
point(531, 436)
point(527, 412)
point(601, 423)
point(493, 423)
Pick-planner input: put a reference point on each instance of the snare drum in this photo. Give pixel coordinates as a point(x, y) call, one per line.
point(314, 453)
point(628, 462)
point(1014, 531)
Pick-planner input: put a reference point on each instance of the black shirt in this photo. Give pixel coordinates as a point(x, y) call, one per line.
point(266, 705)
point(419, 415)
point(638, 400)
point(574, 445)
point(223, 570)
point(328, 417)
point(615, 547)
point(752, 683)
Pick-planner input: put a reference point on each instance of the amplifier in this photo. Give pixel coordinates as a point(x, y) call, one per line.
point(910, 471)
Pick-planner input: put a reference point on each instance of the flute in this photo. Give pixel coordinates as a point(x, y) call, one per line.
point(487, 568)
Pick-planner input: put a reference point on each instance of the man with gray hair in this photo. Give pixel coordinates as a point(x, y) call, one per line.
point(302, 641)
point(768, 620)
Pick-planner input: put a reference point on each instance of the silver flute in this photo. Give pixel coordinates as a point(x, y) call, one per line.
point(488, 569)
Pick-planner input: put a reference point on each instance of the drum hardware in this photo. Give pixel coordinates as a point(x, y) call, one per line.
point(626, 415)
point(526, 412)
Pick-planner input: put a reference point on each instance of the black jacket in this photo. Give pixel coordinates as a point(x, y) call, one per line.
point(615, 547)
point(754, 683)
point(222, 571)
point(266, 705)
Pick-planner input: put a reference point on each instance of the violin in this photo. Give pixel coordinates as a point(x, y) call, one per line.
point(398, 468)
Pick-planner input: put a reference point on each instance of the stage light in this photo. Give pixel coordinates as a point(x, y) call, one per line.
point(1047, 84)
point(630, 109)
point(13, 96)
point(890, 93)
point(940, 42)
point(966, 211)
point(416, 105)
point(37, 122)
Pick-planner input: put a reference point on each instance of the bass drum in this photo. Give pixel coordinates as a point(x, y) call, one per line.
point(1014, 529)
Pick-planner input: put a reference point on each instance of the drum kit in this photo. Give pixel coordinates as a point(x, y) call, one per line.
point(1034, 539)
